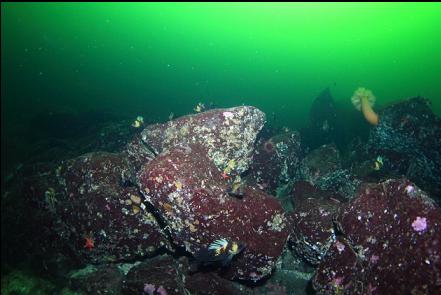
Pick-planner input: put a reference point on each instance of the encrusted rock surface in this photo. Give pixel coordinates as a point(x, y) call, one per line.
point(165, 275)
point(93, 212)
point(160, 274)
point(226, 134)
point(390, 244)
point(312, 228)
point(104, 279)
point(190, 195)
point(138, 153)
point(322, 168)
point(275, 161)
point(408, 137)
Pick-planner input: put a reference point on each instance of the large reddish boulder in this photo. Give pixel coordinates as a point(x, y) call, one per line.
point(275, 161)
point(312, 227)
point(390, 244)
point(191, 197)
point(227, 135)
point(94, 213)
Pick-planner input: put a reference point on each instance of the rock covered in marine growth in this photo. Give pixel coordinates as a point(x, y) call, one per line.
point(227, 134)
point(210, 283)
point(191, 196)
point(312, 227)
point(292, 276)
point(323, 126)
point(390, 244)
point(275, 161)
point(138, 153)
point(408, 137)
point(165, 275)
point(26, 209)
point(104, 279)
point(160, 275)
point(319, 162)
point(322, 168)
point(97, 215)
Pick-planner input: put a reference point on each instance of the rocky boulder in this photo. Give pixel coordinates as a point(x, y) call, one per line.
point(389, 244)
point(190, 195)
point(226, 134)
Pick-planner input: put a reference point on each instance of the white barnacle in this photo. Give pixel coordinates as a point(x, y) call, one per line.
point(277, 223)
point(228, 115)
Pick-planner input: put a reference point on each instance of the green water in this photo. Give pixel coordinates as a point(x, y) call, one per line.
point(157, 58)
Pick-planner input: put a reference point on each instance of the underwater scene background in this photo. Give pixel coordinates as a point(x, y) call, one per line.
point(221, 148)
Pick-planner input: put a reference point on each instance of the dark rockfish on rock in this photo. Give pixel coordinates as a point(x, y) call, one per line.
point(220, 251)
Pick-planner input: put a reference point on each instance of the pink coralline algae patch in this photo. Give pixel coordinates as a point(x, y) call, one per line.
point(419, 224)
point(410, 189)
point(161, 290)
point(337, 281)
point(340, 246)
point(374, 259)
point(149, 289)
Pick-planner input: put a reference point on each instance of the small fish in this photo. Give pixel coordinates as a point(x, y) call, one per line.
point(138, 122)
point(378, 164)
point(230, 166)
point(199, 107)
point(237, 188)
point(219, 251)
point(171, 116)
